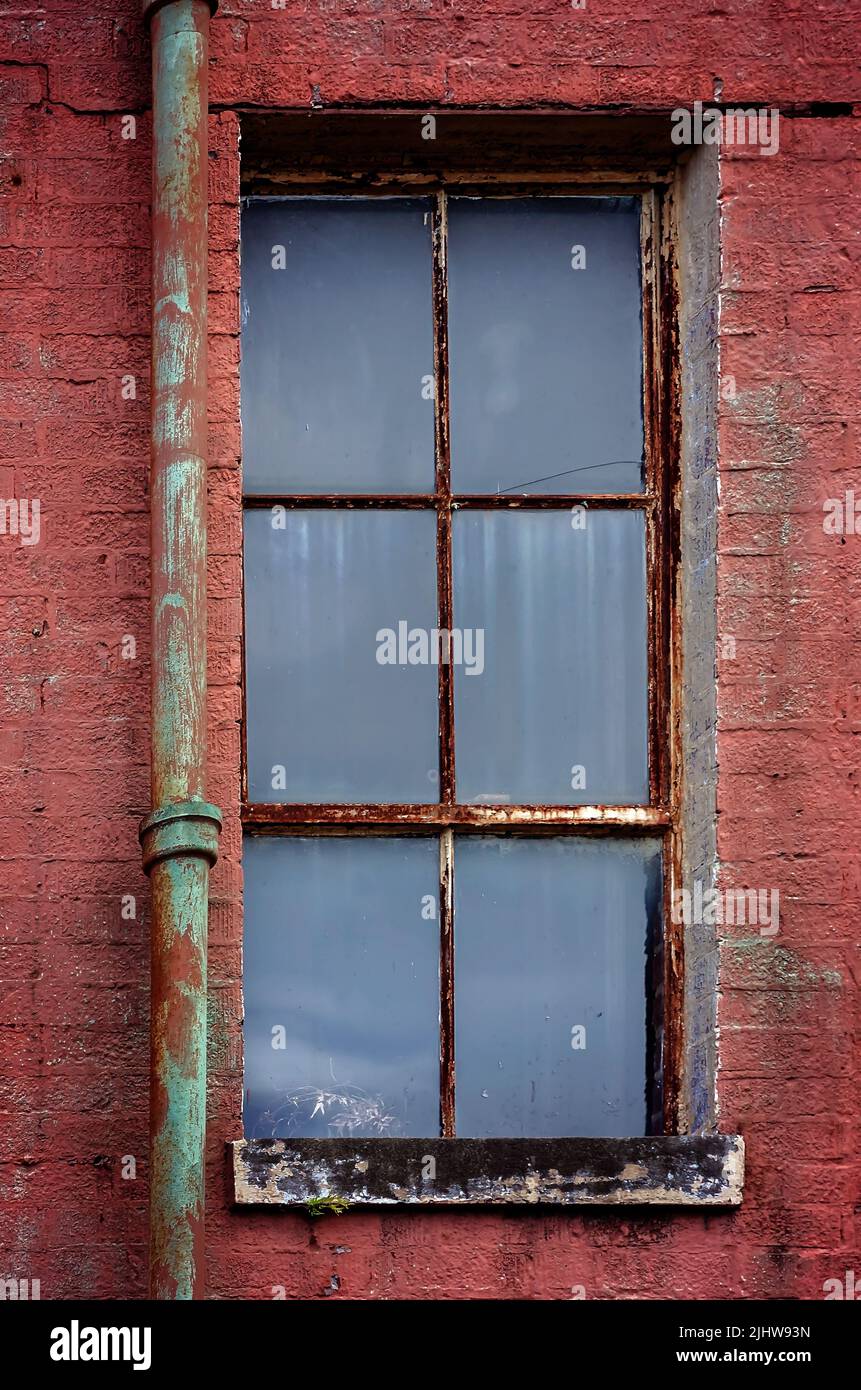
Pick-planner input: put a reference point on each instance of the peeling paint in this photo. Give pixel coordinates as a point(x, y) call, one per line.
point(179, 838)
point(687, 1170)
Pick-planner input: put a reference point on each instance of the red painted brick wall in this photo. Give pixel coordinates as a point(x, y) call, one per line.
point(74, 304)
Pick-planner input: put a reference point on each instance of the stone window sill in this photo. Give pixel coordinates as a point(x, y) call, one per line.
point(704, 1170)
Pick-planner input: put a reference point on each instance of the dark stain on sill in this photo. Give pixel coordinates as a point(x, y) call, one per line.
point(682, 1170)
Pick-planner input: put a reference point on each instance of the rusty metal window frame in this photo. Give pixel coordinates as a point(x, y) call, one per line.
point(658, 501)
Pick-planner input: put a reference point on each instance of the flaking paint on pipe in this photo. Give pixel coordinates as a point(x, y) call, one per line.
point(179, 837)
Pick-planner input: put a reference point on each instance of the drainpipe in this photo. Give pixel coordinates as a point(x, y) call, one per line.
point(179, 837)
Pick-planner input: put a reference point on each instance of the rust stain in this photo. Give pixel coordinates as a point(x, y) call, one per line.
point(446, 985)
point(262, 816)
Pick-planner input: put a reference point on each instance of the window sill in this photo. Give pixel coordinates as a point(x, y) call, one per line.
point(683, 1170)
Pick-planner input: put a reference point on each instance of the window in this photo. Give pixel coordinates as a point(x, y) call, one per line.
point(457, 775)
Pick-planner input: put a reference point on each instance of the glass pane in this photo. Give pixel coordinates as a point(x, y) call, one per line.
point(551, 943)
point(337, 345)
point(341, 987)
point(545, 345)
point(557, 709)
point(335, 711)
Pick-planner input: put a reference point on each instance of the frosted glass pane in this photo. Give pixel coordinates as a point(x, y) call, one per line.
point(545, 358)
point(326, 721)
point(559, 712)
point(551, 941)
point(337, 345)
point(341, 987)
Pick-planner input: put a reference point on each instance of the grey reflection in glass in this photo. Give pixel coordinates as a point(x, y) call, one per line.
point(559, 713)
point(326, 721)
point(551, 942)
point(341, 975)
point(545, 358)
point(337, 346)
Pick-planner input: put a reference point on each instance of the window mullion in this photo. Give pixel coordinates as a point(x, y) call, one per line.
point(446, 983)
point(443, 495)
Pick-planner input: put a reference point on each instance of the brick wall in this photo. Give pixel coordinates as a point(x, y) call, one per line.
point(74, 305)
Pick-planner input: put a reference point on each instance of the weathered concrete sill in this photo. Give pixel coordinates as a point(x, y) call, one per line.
point(684, 1170)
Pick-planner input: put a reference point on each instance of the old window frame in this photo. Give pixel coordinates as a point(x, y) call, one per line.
point(660, 817)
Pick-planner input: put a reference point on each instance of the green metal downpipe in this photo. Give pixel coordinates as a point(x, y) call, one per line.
point(180, 836)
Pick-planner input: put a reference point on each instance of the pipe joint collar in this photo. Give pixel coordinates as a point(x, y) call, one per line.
point(183, 828)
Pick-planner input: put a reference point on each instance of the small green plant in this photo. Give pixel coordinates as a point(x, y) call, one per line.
point(318, 1206)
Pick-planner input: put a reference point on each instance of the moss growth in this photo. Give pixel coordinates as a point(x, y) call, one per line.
point(318, 1206)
